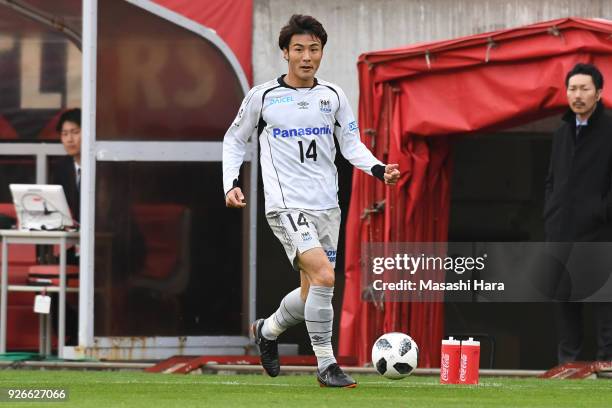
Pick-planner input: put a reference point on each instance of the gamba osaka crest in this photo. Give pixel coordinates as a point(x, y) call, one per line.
point(325, 105)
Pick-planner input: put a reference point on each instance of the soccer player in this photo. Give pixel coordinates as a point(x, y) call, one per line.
point(296, 117)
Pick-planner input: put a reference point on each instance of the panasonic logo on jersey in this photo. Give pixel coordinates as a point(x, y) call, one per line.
point(323, 130)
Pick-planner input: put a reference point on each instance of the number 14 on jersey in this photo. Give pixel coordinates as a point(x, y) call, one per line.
point(311, 151)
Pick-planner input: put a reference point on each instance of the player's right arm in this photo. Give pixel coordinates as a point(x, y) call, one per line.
point(235, 143)
point(354, 150)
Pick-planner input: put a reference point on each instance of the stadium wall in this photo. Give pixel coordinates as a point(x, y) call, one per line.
point(357, 26)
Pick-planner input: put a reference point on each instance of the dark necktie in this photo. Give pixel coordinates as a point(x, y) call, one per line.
point(579, 129)
point(78, 179)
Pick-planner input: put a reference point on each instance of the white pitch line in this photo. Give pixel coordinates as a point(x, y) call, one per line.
point(385, 383)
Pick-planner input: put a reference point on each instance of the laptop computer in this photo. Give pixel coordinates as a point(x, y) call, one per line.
point(41, 207)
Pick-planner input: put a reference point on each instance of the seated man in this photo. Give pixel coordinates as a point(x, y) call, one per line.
point(67, 173)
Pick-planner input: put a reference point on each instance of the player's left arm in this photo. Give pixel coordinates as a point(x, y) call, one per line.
point(354, 150)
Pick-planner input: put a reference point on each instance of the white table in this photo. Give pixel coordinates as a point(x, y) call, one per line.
point(61, 238)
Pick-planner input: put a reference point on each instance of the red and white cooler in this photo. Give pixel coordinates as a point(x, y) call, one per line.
point(449, 361)
point(470, 361)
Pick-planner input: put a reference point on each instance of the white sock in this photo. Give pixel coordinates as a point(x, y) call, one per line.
point(289, 313)
point(319, 315)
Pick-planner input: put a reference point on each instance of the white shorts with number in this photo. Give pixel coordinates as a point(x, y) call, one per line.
point(301, 230)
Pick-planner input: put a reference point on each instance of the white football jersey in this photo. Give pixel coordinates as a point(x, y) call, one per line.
point(296, 128)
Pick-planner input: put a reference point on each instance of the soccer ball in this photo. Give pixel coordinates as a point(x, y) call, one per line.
point(395, 355)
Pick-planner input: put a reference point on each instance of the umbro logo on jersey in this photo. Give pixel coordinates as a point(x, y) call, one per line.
point(303, 105)
point(353, 126)
point(323, 130)
point(325, 105)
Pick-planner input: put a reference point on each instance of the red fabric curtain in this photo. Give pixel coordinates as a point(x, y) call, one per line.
point(414, 211)
point(412, 100)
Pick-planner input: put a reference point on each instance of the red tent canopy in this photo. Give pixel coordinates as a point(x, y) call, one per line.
point(407, 95)
point(487, 80)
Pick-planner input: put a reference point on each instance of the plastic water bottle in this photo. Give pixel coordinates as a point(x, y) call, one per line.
point(449, 361)
point(470, 361)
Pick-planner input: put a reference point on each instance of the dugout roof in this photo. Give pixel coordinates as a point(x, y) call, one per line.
point(159, 82)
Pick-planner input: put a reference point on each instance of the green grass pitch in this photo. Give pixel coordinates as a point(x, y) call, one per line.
point(130, 389)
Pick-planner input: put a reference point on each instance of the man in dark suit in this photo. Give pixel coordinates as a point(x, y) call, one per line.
point(67, 173)
point(68, 170)
point(578, 207)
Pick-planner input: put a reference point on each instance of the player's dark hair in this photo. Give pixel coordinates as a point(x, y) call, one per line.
point(586, 69)
point(300, 24)
point(71, 115)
